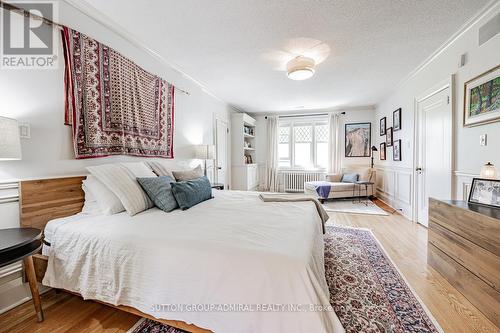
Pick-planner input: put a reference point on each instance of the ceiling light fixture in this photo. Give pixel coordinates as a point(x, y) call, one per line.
point(300, 68)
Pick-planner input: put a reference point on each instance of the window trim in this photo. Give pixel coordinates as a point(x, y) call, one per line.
point(298, 121)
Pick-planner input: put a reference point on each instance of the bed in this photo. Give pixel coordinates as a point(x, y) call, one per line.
point(229, 264)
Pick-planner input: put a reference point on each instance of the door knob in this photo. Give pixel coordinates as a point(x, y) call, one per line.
point(418, 169)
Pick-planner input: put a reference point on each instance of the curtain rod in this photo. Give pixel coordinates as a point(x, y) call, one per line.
point(304, 115)
point(26, 13)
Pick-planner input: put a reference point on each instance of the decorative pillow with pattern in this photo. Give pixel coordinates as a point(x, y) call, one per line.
point(160, 191)
point(192, 192)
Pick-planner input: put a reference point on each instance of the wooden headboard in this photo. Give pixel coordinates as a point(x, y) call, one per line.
point(43, 200)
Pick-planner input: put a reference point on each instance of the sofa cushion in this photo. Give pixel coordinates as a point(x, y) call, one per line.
point(334, 177)
point(341, 187)
point(350, 177)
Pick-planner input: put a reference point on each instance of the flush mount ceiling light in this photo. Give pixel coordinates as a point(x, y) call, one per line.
point(300, 68)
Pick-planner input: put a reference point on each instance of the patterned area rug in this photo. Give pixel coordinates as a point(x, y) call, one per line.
point(366, 290)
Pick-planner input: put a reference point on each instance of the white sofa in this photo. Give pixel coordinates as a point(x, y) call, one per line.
point(341, 189)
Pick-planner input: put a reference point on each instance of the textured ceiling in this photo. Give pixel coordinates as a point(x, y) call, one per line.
point(238, 49)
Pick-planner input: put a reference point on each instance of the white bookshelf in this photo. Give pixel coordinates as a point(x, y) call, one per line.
point(244, 166)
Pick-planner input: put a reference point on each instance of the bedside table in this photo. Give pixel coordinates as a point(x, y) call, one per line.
point(19, 244)
point(218, 186)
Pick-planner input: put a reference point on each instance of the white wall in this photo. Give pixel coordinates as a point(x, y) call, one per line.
point(469, 156)
point(361, 115)
point(37, 97)
point(365, 115)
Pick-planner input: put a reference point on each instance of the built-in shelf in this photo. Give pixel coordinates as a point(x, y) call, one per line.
point(243, 152)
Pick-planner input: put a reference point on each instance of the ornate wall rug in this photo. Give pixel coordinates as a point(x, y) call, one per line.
point(366, 289)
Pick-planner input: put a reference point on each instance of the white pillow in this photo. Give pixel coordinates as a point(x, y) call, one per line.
point(161, 169)
point(90, 206)
point(139, 169)
point(121, 180)
point(108, 202)
point(183, 175)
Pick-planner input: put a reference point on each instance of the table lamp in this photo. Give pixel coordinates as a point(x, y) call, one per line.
point(488, 171)
point(10, 141)
point(205, 152)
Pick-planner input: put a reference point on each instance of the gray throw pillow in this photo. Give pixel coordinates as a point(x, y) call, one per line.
point(350, 178)
point(192, 192)
point(160, 192)
point(188, 174)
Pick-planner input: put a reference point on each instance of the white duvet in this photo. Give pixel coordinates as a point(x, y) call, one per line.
point(231, 264)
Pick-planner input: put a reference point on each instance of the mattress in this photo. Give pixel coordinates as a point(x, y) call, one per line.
point(230, 264)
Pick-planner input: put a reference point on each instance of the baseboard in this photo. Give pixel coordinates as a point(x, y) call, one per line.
point(390, 203)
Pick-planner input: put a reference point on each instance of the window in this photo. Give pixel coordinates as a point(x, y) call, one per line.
point(303, 143)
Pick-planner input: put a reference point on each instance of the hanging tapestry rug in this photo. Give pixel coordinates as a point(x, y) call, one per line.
point(114, 106)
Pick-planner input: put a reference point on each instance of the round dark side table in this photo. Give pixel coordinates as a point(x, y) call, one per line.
point(217, 186)
point(20, 244)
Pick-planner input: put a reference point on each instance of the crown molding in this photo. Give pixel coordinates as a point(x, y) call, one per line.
point(463, 29)
point(96, 15)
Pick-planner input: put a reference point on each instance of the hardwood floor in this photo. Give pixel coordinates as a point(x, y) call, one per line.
point(406, 244)
point(404, 241)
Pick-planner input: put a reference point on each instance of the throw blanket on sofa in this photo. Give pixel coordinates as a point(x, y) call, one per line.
point(297, 198)
point(322, 188)
point(114, 106)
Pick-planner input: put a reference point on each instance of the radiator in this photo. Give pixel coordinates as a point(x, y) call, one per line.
point(293, 181)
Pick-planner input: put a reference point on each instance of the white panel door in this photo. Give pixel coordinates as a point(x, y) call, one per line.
point(434, 147)
point(221, 138)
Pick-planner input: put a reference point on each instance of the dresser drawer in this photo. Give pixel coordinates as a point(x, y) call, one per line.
point(479, 261)
point(477, 228)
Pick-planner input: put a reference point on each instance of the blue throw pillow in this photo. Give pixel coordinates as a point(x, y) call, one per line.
point(160, 192)
point(350, 177)
point(191, 192)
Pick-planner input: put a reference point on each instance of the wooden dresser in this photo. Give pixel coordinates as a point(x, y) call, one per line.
point(464, 247)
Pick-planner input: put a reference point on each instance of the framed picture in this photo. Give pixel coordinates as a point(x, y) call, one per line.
point(388, 137)
point(382, 151)
point(485, 192)
point(396, 119)
point(482, 98)
point(396, 150)
point(358, 139)
point(383, 126)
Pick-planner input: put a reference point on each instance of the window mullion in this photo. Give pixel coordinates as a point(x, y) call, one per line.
point(313, 143)
point(292, 146)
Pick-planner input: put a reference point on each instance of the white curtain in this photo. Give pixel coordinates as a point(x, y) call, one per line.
point(271, 180)
point(334, 151)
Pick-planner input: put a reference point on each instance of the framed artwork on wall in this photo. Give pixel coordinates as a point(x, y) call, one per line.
point(485, 192)
point(396, 150)
point(396, 119)
point(388, 137)
point(358, 139)
point(482, 98)
point(383, 126)
point(382, 151)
